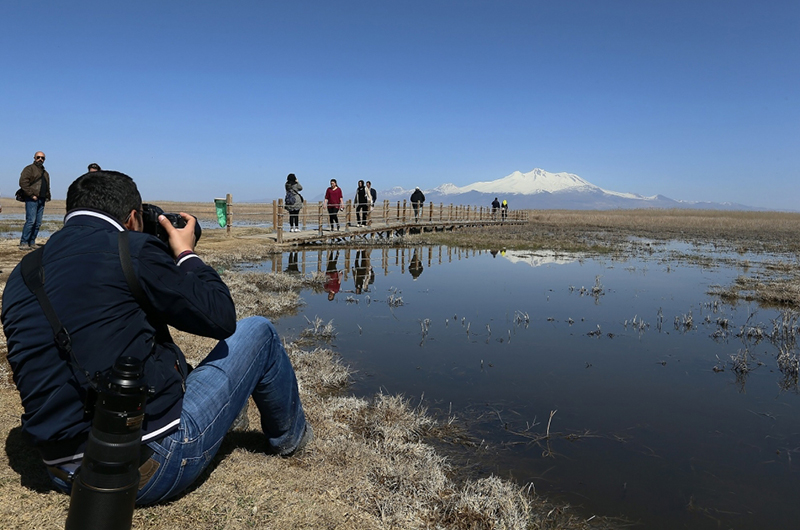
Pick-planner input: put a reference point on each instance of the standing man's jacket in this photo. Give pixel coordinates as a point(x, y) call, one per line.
point(30, 180)
point(86, 285)
point(417, 197)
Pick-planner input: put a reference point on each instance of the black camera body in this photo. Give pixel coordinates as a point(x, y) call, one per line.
point(104, 490)
point(150, 213)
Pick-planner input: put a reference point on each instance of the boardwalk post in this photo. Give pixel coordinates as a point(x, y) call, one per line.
point(279, 226)
point(430, 212)
point(275, 216)
point(348, 214)
point(228, 213)
point(404, 211)
point(319, 217)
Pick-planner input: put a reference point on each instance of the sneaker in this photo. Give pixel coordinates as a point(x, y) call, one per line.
point(308, 436)
point(24, 246)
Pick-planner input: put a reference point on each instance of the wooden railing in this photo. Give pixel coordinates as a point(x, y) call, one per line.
point(315, 216)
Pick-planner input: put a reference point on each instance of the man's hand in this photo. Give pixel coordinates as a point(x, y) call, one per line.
point(180, 239)
point(34, 197)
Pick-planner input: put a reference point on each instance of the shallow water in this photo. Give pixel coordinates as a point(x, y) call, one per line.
point(645, 426)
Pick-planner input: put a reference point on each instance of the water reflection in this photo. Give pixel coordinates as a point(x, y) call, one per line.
point(333, 281)
point(671, 407)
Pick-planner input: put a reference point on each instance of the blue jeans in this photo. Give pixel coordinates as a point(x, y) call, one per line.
point(33, 220)
point(250, 362)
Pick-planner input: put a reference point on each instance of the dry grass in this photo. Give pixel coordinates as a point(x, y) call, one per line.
point(369, 466)
point(604, 231)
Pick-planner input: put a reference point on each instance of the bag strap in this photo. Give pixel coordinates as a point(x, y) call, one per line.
point(33, 276)
point(123, 242)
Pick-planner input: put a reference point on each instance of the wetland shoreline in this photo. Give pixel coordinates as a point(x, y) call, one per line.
point(380, 470)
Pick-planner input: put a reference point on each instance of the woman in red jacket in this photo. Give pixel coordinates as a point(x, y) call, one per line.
point(333, 200)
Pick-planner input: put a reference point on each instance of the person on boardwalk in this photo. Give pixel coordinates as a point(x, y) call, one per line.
point(504, 209)
point(362, 202)
point(333, 201)
point(373, 198)
point(495, 208)
point(35, 184)
point(417, 200)
point(293, 202)
point(120, 305)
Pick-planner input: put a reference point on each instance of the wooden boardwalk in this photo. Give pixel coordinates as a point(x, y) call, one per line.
point(385, 221)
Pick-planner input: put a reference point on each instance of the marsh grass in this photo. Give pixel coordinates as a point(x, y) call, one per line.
point(371, 466)
point(611, 231)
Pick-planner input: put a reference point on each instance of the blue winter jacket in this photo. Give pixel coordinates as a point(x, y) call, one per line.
point(87, 288)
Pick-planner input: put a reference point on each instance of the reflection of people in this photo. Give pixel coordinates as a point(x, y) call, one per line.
point(294, 201)
point(362, 273)
point(291, 263)
point(333, 200)
point(495, 207)
point(93, 167)
point(188, 413)
point(333, 281)
point(417, 199)
point(362, 202)
point(493, 253)
point(35, 183)
point(415, 267)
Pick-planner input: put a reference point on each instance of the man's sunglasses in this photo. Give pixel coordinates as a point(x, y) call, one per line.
point(38, 158)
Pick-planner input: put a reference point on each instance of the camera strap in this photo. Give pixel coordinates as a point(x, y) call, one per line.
point(33, 276)
point(123, 242)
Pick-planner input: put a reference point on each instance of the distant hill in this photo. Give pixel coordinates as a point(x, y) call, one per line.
point(541, 190)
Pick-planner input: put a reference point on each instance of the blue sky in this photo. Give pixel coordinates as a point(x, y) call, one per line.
point(695, 100)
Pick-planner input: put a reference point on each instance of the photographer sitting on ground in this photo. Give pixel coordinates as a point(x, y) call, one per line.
point(187, 413)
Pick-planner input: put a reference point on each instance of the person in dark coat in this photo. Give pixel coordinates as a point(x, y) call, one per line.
point(293, 189)
point(417, 200)
point(495, 208)
point(109, 314)
point(362, 202)
point(35, 184)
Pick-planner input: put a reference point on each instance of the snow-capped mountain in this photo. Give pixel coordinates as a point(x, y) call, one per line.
point(540, 189)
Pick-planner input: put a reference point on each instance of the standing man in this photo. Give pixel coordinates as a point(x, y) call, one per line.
point(35, 183)
point(417, 200)
point(495, 207)
point(373, 199)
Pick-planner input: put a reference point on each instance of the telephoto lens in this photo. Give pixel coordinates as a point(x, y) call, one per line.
point(104, 490)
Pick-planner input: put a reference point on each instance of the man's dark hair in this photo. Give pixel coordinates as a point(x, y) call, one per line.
point(111, 192)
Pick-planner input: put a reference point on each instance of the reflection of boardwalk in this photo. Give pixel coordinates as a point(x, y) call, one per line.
point(362, 265)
